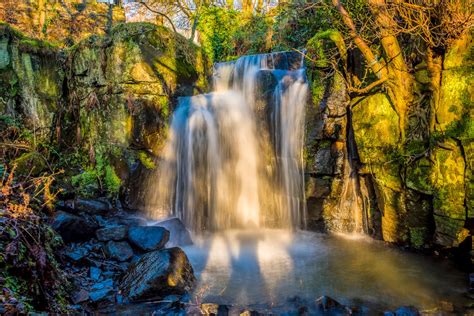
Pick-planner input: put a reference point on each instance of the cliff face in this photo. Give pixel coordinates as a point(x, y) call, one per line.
point(418, 193)
point(103, 104)
point(30, 79)
point(100, 111)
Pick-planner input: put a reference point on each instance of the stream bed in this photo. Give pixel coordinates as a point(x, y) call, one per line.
point(269, 267)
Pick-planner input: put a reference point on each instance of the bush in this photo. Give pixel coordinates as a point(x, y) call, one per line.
point(30, 276)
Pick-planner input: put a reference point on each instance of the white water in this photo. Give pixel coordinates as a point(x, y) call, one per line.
point(234, 159)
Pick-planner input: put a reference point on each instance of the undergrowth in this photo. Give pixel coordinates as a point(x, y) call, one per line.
point(31, 278)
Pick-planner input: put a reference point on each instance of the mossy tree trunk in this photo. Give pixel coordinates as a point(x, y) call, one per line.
point(392, 71)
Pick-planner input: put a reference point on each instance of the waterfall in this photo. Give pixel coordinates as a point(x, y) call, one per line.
point(233, 157)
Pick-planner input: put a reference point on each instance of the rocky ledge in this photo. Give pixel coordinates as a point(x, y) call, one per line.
point(116, 258)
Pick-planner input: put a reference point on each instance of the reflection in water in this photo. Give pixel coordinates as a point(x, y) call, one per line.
point(269, 266)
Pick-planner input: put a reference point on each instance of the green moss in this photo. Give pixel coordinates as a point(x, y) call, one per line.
point(418, 236)
point(376, 128)
point(146, 161)
point(31, 163)
point(419, 176)
point(86, 183)
point(317, 46)
point(454, 113)
point(112, 182)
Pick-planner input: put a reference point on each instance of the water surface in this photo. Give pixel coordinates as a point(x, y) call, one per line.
point(269, 266)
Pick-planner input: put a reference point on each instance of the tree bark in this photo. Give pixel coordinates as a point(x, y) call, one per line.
point(400, 81)
point(393, 72)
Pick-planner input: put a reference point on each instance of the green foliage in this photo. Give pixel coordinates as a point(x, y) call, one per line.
point(217, 26)
point(98, 178)
point(146, 161)
point(112, 182)
point(30, 275)
point(297, 21)
point(253, 36)
point(86, 183)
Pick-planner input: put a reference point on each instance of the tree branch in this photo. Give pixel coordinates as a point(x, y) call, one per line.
point(159, 13)
point(369, 87)
point(372, 60)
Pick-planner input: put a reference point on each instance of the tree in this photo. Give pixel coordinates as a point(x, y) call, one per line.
point(432, 24)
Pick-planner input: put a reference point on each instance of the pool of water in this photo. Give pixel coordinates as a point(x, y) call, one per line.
point(269, 266)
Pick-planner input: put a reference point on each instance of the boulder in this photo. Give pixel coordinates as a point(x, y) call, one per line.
point(101, 291)
point(92, 206)
point(328, 305)
point(73, 228)
point(157, 274)
point(407, 311)
point(76, 253)
point(179, 235)
point(148, 238)
point(118, 250)
point(80, 296)
point(214, 309)
point(94, 273)
point(112, 233)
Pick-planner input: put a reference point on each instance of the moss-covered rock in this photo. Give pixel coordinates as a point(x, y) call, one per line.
point(31, 79)
point(449, 193)
point(455, 113)
point(126, 86)
point(376, 128)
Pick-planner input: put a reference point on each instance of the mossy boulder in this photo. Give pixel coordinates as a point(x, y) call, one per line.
point(376, 128)
point(128, 82)
point(455, 113)
point(30, 163)
point(125, 87)
point(31, 80)
point(449, 182)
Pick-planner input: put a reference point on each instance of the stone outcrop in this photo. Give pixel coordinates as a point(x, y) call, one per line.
point(72, 227)
point(31, 80)
point(108, 97)
point(148, 238)
point(418, 193)
point(158, 273)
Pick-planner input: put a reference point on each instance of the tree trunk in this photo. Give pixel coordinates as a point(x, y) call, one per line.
point(399, 80)
point(260, 6)
point(110, 19)
point(247, 6)
point(435, 67)
point(42, 17)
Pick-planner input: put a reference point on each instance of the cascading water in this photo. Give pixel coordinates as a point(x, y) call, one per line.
point(234, 156)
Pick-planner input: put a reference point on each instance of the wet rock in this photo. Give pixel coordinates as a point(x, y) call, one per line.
point(118, 250)
point(76, 253)
point(81, 296)
point(126, 220)
point(157, 274)
point(94, 273)
point(326, 303)
point(250, 313)
point(101, 294)
point(179, 235)
point(214, 309)
point(447, 306)
point(112, 233)
point(148, 238)
point(324, 162)
point(92, 206)
point(406, 311)
point(73, 228)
